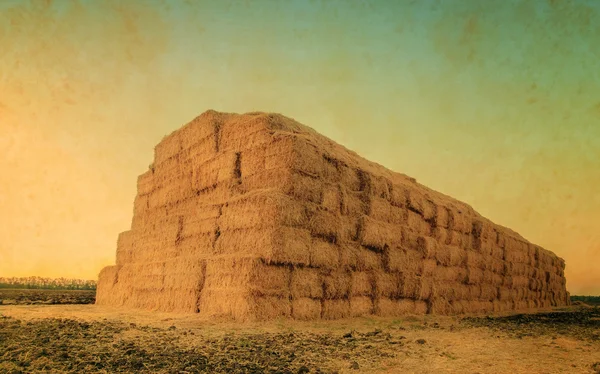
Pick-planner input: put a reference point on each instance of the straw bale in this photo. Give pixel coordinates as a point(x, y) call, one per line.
point(507, 281)
point(458, 307)
point(241, 306)
point(386, 285)
point(459, 220)
point(440, 306)
point(495, 265)
point(410, 238)
point(168, 147)
point(306, 309)
point(449, 290)
point(261, 209)
point(399, 196)
point(349, 178)
point(450, 256)
point(474, 275)
point(506, 294)
point(471, 292)
point(184, 272)
point(366, 259)
point(197, 154)
point(306, 282)
point(450, 273)
point(165, 172)
point(331, 198)
point(427, 246)
point(483, 246)
point(417, 223)
point(335, 309)
point(306, 188)
point(385, 307)
point(195, 132)
point(182, 300)
point(520, 269)
point(488, 292)
point(440, 234)
point(416, 201)
point(195, 226)
point(125, 243)
point(280, 245)
point(145, 183)
point(141, 204)
point(196, 245)
point(416, 287)
point(323, 254)
point(249, 274)
point(429, 268)
point(336, 285)
point(488, 277)
point(326, 225)
point(378, 235)
point(240, 141)
point(361, 306)
point(353, 203)
point(362, 283)
point(401, 259)
point(349, 253)
point(295, 153)
point(107, 285)
point(169, 194)
point(382, 210)
point(498, 253)
point(475, 260)
point(217, 170)
point(482, 228)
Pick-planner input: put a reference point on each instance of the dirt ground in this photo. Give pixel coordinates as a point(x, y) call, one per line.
point(93, 339)
point(41, 296)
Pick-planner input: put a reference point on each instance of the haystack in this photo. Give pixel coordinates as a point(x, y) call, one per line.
point(256, 216)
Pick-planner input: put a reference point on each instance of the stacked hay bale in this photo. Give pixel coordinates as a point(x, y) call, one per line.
point(256, 216)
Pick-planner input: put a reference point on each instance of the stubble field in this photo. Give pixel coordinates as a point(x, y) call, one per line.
point(93, 339)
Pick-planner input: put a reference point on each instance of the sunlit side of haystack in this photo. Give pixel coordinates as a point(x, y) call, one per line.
point(256, 216)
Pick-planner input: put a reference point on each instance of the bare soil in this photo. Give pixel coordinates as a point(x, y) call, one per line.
point(94, 339)
point(45, 296)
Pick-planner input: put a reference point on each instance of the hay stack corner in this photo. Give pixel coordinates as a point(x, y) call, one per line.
point(256, 216)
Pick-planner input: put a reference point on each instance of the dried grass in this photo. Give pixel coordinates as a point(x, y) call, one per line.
point(361, 306)
point(306, 282)
point(335, 309)
point(306, 309)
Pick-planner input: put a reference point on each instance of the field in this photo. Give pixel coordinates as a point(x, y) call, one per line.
point(45, 296)
point(93, 339)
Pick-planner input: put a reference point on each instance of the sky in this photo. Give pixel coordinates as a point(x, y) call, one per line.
point(496, 103)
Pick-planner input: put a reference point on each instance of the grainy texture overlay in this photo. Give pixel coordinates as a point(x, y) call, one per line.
point(256, 216)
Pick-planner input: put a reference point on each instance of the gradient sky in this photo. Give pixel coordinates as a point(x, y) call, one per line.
point(496, 103)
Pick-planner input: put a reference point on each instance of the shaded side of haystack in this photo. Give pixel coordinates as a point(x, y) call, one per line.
point(256, 216)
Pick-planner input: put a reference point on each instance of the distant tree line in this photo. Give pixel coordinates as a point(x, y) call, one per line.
point(591, 300)
point(47, 283)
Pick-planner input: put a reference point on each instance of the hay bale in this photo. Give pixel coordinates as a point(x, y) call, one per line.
point(362, 284)
point(410, 238)
point(378, 235)
point(331, 199)
point(474, 275)
point(450, 273)
point(417, 223)
point(361, 306)
point(439, 306)
point(306, 309)
point(416, 287)
point(306, 282)
point(427, 246)
point(125, 245)
point(488, 292)
point(262, 209)
point(429, 268)
point(354, 204)
point(382, 210)
point(366, 259)
point(401, 260)
point(399, 196)
point(475, 260)
point(323, 254)
point(326, 225)
point(335, 309)
point(450, 256)
point(386, 284)
point(385, 307)
point(196, 245)
point(168, 147)
point(336, 285)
